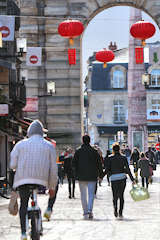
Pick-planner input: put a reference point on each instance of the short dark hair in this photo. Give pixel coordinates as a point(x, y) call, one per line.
point(116, 147)
point(86, 139)
point(142, 155)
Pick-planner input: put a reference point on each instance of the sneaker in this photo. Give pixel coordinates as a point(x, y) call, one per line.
point(24, 236)
point(90, 215)
point(47, 214)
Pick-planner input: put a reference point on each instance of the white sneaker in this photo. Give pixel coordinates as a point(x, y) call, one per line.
point(47, 214)
point(24, 236)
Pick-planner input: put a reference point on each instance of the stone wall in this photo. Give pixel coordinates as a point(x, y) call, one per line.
point(61, 113)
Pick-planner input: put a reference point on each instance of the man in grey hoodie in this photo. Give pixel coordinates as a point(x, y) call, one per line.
point(34, 160)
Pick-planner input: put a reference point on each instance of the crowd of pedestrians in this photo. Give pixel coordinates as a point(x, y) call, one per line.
point(35, 162)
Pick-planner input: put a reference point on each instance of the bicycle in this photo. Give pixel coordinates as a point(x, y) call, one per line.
point(34, 215)
point(5, 188)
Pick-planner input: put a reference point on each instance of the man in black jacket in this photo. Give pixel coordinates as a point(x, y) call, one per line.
point(88, 168)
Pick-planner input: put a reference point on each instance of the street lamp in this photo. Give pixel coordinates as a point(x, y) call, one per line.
point(21, 46)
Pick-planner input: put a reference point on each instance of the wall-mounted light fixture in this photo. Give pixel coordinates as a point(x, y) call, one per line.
point(146, 79)
point(51, 88)
point(21, 46)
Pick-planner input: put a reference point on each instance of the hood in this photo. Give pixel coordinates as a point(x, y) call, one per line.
point(35, 128)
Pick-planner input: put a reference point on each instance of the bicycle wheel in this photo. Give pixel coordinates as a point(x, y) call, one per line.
point(35, 234)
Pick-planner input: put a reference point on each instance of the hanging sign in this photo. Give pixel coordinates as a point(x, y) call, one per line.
point(34, 56)
point(139, 55)
point(72, 56)
point(3, 109)
point(31, 105)
point(7, 26)
point(154, 55)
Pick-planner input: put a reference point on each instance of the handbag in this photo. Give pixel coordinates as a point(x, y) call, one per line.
point(13, 204)
point(139, 193)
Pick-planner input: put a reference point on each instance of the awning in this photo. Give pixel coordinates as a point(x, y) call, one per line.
point(51, 140)
point(111, 129)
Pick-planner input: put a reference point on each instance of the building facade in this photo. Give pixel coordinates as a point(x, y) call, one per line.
point(62, 113)
point(107, 90)
point(12, 89)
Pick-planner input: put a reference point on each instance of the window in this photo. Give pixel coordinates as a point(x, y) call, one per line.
point(119, 115)
point(118, 79)
point(155, 78)
point(155, 103)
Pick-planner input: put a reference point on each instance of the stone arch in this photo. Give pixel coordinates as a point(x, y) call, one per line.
point(62, 113)
point(149, 7)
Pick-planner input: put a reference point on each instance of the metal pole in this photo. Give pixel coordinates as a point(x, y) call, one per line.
point(6, 154)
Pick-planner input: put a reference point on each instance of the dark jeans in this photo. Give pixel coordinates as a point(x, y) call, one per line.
point(146, 181)
point(51, 201)
point(71, 185)
point(118, 188)
point(24, 194)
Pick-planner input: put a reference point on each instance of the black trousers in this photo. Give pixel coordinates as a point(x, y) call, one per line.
point(146, 181)
point(51, 201)
point(24, 194)
point(71, 185)
point(118, 188)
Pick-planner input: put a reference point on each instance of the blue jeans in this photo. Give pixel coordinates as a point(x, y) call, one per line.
point(84, 186)
point(128, 159)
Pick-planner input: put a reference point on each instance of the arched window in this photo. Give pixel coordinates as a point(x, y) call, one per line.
point(155, 78)
point(118, 77)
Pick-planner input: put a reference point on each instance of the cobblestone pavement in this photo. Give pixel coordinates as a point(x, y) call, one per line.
point(141, 219)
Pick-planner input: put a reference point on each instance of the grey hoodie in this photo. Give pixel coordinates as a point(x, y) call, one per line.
point(35, 128)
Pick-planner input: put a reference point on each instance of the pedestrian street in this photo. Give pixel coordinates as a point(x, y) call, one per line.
point(141, 219)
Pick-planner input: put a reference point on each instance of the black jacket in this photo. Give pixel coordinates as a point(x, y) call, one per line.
point(68, 169)
point(118, 164)
point(87, 164)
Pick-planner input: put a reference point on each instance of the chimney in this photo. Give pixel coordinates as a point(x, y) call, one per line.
point(112, 47)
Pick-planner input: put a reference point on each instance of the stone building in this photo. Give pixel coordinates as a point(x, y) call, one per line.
point(12, 89)
point(108, 98)
point(62, 112)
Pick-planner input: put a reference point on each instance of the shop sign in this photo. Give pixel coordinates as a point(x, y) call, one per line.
point(157, 147)
point(31, 105)
point(3, 109)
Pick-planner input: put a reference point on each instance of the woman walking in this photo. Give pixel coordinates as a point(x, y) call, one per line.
point(117, 167)
point(135, 156)
point(144, 169)
point(105, 164)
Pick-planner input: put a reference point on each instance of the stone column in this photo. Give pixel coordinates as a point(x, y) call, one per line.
point(137, 119)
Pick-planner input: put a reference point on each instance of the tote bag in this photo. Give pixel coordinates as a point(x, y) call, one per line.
point(139, 193)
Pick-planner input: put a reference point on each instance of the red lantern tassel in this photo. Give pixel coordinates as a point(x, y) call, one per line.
point(72, 56)
point(139, 55)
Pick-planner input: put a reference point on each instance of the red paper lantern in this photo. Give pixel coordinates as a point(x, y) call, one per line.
point(142, 30)
point(104, 56)
point(70, 29)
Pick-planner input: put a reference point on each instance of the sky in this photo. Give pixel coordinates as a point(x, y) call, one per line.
point(109, 25)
